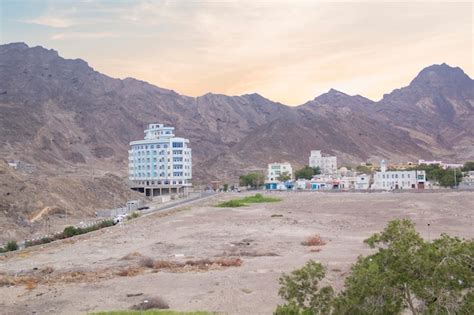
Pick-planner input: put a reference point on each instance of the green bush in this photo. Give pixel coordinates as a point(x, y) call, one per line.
point(133, 215)
point(257, 198)
point(11, 246)
point(234, 203)
point(70, 231)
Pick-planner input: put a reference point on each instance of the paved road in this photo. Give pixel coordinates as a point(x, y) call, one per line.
point(168, 206)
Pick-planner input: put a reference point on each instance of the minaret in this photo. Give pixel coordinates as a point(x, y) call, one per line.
point(383, 166)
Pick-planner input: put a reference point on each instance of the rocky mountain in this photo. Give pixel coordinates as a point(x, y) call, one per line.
point(72, 122)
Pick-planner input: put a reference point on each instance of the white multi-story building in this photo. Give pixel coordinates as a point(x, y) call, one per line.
point(161, 163)
point(388, 180)
point(276, 169)
point(327, 164)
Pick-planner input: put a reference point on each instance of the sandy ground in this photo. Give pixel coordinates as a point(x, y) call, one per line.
point(344, 220)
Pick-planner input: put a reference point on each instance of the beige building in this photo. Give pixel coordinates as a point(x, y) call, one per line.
point(276, 169)
point(327, 164)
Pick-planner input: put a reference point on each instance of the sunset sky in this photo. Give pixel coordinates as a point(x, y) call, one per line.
point(287, 51)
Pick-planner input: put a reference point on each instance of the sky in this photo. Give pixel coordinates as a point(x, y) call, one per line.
point(287, 51)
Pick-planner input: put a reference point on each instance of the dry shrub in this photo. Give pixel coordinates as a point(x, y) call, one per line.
point(199, 263)
point(69, 241)
point(30, 284)
point(164, 264)
point(314, 240)
point(131, 256)
point(315, 250)
point(129, 271)
point(256, 254)
point(6, 281)
point(229, 262)
point(146, 262)
point(46, 270)
point(151, 303)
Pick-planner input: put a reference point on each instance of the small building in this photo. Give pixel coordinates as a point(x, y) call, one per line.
point(467, 181)
point(327, 164)
point(362, 181)
point(345, 183)
point(276, 169)
point(301, 184)
point(161, 164)
point(388, 180)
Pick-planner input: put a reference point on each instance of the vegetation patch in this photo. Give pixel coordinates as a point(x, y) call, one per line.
point(69, 231)
point(407, 275)
point(9, 247)
point(133, 215)
point(234, 203)
point(257, 198)
point(152, 312)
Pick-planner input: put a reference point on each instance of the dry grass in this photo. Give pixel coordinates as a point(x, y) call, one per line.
point(165, 264)
point(30, 284)
point(249, 254)
point(48, 276)
point(132, 255)
point(229, 262)
point(314, 240)
point(130, 271)
point(201, 264)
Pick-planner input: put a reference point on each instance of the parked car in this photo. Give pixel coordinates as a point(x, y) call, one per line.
point(119, 218)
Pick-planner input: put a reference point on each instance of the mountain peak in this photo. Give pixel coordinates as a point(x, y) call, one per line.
point(439, 75)
point(14, 46)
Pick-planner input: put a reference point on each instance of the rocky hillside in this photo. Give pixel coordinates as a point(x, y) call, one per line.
point(74, 124)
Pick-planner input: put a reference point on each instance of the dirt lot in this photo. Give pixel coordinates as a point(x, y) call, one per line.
point(104, 270)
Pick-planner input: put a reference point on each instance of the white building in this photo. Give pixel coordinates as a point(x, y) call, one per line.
point(388, 180)
point(327, 164)
point(161, 163)
point(440, 163)
point(276, 169)
point(362, 181)
point(433, 162)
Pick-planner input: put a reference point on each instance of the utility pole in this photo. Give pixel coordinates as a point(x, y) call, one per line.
point(454, 171)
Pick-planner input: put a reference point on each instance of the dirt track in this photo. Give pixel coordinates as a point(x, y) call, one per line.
point(267, 246)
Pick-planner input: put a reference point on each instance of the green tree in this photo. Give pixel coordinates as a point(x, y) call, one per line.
point(305, 173)
point(406, 273)
point(468, 166)
point(253, 180)
point(364, 169)
point(450, 177)
point(302, 292)
point(226, 187)
point(444, 177)
point(283, 177)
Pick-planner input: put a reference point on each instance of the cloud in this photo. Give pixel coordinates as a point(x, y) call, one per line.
point(83, 35)
point(55, 22)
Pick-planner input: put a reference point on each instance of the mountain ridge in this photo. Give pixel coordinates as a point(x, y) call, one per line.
point(61, 115)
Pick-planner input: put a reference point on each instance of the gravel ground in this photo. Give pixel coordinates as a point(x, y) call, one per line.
point(267, 238)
